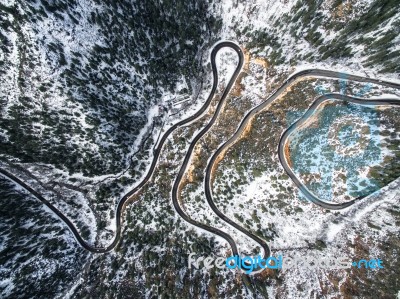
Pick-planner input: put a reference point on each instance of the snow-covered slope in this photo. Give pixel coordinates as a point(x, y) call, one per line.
point(88, 86)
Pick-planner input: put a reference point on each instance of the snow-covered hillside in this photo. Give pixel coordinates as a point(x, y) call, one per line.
point(88, 88)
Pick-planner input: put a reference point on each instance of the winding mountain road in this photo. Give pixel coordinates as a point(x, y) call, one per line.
point(157, 151)
point(284, 138)
point(182, 171)
point(246, 120)
point(213, 161)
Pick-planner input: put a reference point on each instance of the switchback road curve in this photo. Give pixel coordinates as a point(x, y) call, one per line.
point(284, 138)
point(248, 117)
point(176, 185)
point(121, 204)
point(210, 165)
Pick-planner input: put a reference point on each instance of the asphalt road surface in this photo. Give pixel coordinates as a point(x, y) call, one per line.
point(212, 161)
